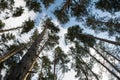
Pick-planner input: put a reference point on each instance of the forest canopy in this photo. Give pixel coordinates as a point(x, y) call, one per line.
point(47, 39)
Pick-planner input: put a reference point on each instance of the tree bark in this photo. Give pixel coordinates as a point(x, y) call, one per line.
point(101, 39)
point(54, 67)
point(20, 72)
point(1, 31)
point(11, 53)
point(33, 64)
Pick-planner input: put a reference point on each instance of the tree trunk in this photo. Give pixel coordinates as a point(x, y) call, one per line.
point(83, 70)
point(54, 67)
point(1, 31)
point(33, 64)
point(89, 69)
point(80, 59)
point(107, 60)
point(110, 54)
point(101, 39)
point(102, 64)
point(21, 70)
point(11, 53)
point(28, 76)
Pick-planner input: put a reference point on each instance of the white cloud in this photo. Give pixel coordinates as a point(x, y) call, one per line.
point(3, 73)
point(17, 21)
point(70, 76)
point(19, 3)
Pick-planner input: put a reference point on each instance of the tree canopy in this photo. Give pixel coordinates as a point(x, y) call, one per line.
point(49, 38)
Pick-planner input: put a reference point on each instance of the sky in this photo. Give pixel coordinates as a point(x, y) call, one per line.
point(14, 22)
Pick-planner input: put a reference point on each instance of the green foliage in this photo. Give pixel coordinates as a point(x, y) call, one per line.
point(7, 37)
point(6, 4)
point(17, 45)
point(61, 59)
point(63, 17)
point(35, 34)
point(13, 60)
point(78, 51)
point(33, 5)
point(109, 5)
point(3, 4)
point(49, 77)
point(73, 8)
point(60, 56)
point(18, 12)
point(90, 23)
point(52, 37)
point(52, 41)
point(88, 41)
point(73, 32)
point(79, 9)
point(80, 64)
point(46, 73)
point(46, 63)
point(51, 26)
point(47, 3)
point(98, 25)
point(1, 24)
point(27, 26)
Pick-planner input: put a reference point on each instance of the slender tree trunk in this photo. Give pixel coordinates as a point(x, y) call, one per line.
point(101, 39)
point(110, 54)
point(28, 76)
point(102, 64)
point(33, 64)
point(11, 53)
point(20, 72)
point(107, 60)
point(83, 70)
point(90, 69)
point(80, 59)
point(54, 67)
point(1, 31)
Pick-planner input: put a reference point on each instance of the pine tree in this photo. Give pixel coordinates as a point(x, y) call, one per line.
point(21, 63)
point(60, 62)
point(74, 35)
point(29, 59)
